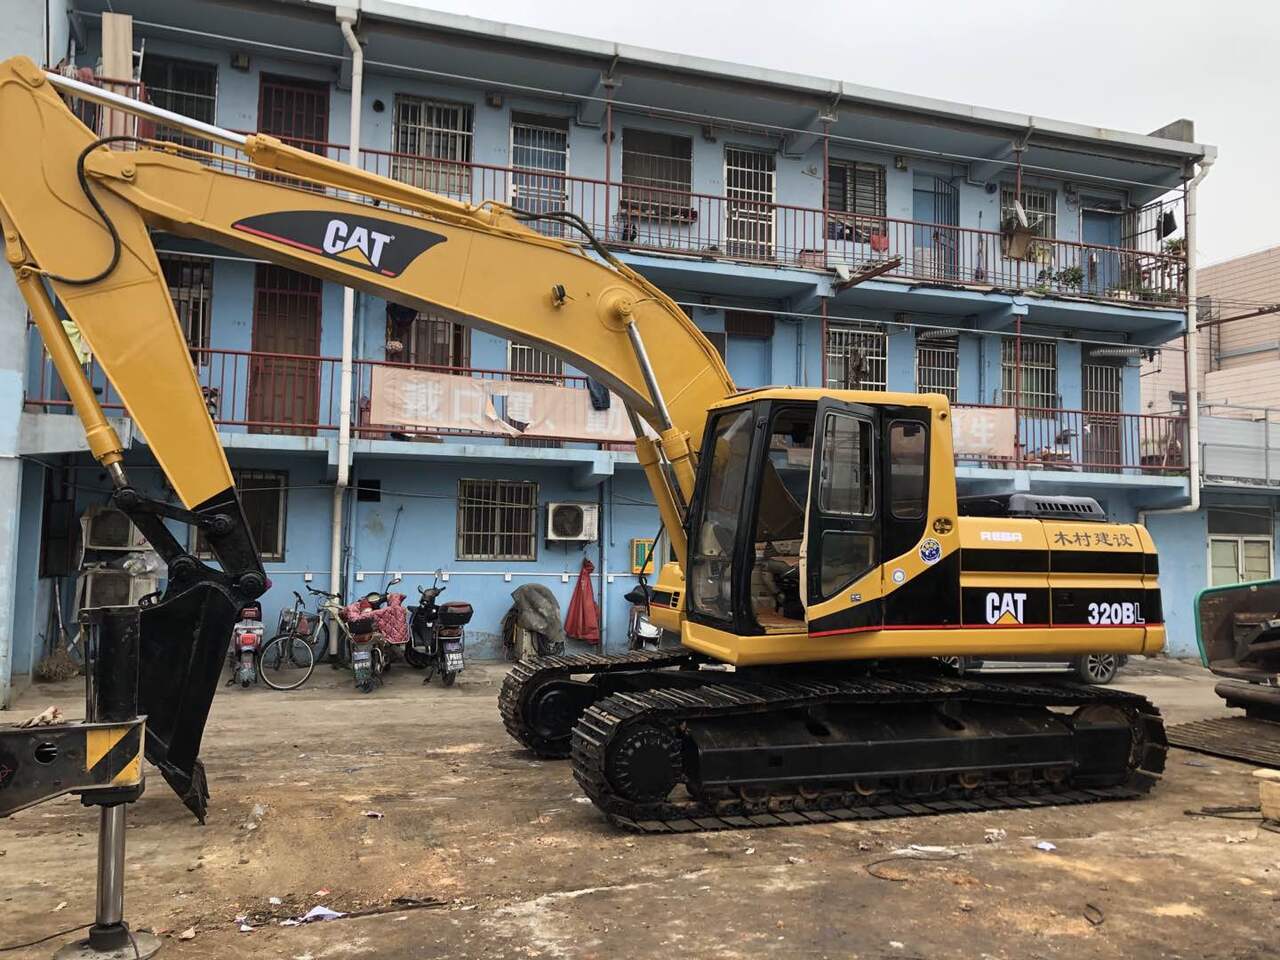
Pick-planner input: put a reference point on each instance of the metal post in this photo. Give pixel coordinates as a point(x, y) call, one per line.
point(826, 193)
point(608, 156)
point(110, 912)
point(111, 695)
point(1017, 389)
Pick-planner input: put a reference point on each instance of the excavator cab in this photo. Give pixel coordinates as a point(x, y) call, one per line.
point(802, 496)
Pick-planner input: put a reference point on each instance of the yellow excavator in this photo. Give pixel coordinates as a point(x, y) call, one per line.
point(823, 569)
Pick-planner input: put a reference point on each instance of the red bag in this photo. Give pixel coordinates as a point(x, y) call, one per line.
point(582, 622)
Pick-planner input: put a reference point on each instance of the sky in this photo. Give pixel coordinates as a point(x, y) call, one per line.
point(1131, 65)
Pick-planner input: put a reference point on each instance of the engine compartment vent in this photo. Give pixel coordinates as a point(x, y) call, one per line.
point(1040, 507)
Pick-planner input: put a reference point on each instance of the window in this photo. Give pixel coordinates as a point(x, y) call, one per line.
point(846, 548)
point(749, 325)
point(533, 364)
point(440, 133)
point(1040, 206)
point(722, 492)
point(936, 367)
point(497, 520)
point(848, 463)
point(856, 188)
point(426, 340)
point(1039, 380)
point(657, 175)
point(856, 357)
point(296, 111)
point(908, 457)
point(190, 282)
point(263, 496)
point(749, 183)
point(185, 87)
point(1239, 560)
point(539, 161)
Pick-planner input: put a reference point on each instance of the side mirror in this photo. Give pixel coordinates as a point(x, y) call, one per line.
point(393, 583)
point(439, 572)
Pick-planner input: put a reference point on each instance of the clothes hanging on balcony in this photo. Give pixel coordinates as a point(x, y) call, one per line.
point(599, 394)
point(583, 620)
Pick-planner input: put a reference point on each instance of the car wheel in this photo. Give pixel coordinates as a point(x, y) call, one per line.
point(957, 665)
point(1098, 668)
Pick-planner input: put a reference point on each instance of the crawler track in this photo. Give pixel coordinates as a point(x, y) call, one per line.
point(530, 676)
point(605, 723)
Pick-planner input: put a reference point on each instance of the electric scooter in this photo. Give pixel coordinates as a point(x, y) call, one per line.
point(246, 641)
point(437, 634)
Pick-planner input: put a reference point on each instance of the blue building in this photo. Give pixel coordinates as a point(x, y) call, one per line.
point(819, 232)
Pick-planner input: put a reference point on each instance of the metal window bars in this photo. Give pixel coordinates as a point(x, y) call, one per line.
point(433, 145)
point(749, 193)
point(190, 282)
point(937, 367)
point(1039, 377)
point(497, 520)
point(857, 357)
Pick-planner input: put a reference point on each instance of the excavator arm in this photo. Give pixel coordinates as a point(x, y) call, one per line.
point(77, 213)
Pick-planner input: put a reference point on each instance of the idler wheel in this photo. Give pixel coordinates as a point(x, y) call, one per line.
point(645, 763)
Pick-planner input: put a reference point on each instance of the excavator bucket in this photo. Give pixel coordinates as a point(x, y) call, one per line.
point(183, 644)
point(1238, 629)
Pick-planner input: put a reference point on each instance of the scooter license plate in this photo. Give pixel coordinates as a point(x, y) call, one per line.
point(453, 661)
point(360, 657)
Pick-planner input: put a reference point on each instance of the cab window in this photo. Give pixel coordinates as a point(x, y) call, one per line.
point(908, 459)
point(779, 524)
point(848, 462)
point(711, 564)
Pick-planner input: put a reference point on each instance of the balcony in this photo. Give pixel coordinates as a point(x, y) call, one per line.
point(710, 227)
point(293, 395)
point(725, 228)
point(1240, 445)
point(1071, 441)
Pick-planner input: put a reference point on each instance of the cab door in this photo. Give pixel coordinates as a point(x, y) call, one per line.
point(840, 561)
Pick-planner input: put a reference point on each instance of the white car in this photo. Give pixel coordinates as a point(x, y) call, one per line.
point(1091, 668)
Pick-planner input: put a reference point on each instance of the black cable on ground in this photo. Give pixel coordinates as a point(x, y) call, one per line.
point(7, 948)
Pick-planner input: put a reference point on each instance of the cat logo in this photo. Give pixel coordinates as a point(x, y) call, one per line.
point(382, 246)
point(357, 244)
point(1004, 608)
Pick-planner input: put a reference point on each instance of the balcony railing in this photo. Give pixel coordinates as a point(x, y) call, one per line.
point(1240, 445)
point(291, 394)
point(294, 395)
point(666, 220)
point(1090, 441)
point(725, 228)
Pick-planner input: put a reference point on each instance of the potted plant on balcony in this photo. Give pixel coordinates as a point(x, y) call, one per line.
point(1069, 278)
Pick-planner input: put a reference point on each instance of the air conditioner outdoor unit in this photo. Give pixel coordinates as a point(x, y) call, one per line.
point(107, 587)
point(572, 521)
point(106, 528)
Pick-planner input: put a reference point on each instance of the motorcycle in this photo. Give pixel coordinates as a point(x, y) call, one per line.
point(437, 634)
point(246, 641)
point(376, 623)
point(642, 633)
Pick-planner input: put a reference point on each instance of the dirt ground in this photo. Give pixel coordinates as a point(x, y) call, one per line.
point(517, 864)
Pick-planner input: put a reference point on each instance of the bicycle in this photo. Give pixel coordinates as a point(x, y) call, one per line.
point(287, 659)
point(360, 646)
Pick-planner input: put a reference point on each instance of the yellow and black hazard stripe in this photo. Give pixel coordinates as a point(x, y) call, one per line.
point(113, 755)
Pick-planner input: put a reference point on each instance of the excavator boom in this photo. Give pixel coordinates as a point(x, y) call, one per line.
point(77, 213)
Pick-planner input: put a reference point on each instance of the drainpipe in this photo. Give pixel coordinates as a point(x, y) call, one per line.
point(1191, 357)
point(346, 17)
